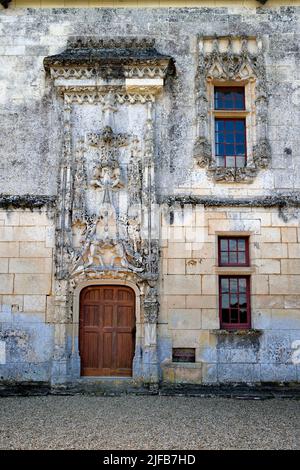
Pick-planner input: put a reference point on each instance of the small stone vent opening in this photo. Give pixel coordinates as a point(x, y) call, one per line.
point(183, 355)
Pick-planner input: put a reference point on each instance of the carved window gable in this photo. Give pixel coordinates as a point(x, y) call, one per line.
point(231, 62)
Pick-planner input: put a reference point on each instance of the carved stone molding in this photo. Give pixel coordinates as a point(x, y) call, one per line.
point(26, 201)
point(151, 306)
point(130, 65)
point(117, 42)
point(291, 199)
point(84, 95)
point(235, 60)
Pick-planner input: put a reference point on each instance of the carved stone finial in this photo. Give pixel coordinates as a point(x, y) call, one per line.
point(108, 110)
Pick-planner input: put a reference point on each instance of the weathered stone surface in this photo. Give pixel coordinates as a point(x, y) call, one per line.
point(107, 154)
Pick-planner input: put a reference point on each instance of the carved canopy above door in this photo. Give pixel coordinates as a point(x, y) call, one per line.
point(107, 184)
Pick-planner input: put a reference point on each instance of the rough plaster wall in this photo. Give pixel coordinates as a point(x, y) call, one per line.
point(30, 115)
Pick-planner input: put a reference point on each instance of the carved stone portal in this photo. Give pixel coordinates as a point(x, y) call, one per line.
point(105, 224)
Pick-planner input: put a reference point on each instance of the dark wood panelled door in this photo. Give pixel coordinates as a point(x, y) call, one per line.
point(107, 330)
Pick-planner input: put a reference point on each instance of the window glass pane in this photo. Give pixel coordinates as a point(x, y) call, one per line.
point(230, 137)
point(224, 245)
point(233, 245)
point(229, 149)
point(242, 285)
point(225, 315)
point(224, 285)
point(239, 100)
point(220, 149)
point(242, 257)
point(220, 161)
point(242, 300)
point(240, 125)
point(240, 162)
point(233, 301)
point(224, 257)
point(234, 315)
point(229, 126)
point(240, 149)
point(225, 300)
point(219, 125)
point(241, 244)
point(243, 316)
point(220, 138)
point(229, 97)
point(233, 285)
point(233, 258)
point(239, 137)
point(217, 101)
point(230, 162)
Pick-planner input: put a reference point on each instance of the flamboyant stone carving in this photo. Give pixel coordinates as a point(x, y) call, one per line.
point(105, 218)
point(108, 241)
point(151, 306)
point(237, 61)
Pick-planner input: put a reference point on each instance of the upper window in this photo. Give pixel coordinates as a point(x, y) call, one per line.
point(230, 127)
point(233, 251)
point(230, 98)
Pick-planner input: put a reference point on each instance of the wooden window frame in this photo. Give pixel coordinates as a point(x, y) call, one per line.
point(247, 252)
point(249, 114)
point(236, 326)
point(230, 88)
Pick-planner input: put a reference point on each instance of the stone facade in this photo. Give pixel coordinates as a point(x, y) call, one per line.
point(108, 176)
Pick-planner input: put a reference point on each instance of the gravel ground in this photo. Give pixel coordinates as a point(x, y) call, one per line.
point(148, 422)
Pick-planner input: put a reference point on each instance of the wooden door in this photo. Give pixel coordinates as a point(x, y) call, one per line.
point(107, 330)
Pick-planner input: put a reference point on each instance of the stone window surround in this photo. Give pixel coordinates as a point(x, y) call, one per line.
point(249, 114)
point(231, 61)
point(233, 270)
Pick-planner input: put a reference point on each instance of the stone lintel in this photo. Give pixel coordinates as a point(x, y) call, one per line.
point(133, 65)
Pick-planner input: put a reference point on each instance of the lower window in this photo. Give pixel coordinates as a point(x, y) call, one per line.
point(234, 296)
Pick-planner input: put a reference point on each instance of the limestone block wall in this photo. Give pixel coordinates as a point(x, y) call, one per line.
point(31, 143)
point(189, 315)
point(26, 271)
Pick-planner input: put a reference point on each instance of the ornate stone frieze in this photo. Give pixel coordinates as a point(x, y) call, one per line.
point(232, 60)
point(142, 72)
point(117, 42)
point(84, 95)
point(73, 72)
point(95, 63)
